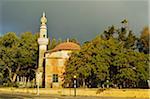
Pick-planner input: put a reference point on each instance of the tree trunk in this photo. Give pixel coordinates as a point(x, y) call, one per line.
point(12, 76)
point(15, 75)
point(9, 73)
point(83, 80)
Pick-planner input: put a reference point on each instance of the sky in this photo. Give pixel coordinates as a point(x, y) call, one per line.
point(79, 19)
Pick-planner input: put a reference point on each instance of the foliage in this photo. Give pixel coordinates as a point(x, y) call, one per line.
point(143, 44)
point(53, 43)
point(110, 56)
point(29, 48)
point(18, 55)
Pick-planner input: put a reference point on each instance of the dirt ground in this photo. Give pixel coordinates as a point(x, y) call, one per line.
point(33, 96)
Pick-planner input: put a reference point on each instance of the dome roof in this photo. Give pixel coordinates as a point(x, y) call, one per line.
point(67, 46)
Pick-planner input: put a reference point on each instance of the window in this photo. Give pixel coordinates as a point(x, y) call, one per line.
point(55, 77)
point(44, 35)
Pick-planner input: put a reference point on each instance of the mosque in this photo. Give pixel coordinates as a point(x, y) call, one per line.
point(51, 63)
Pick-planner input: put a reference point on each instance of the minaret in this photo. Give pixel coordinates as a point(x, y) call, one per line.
point(43, 42)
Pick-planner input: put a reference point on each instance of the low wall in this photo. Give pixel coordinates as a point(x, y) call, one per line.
point(136, 93)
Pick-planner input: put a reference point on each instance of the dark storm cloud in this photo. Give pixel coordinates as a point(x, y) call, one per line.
point(76, 19)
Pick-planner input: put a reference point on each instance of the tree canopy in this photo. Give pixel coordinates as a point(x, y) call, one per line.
point(111, 56)
point(18, 55)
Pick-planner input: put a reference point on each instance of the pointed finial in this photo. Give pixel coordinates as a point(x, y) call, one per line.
point(43, 14)
point(67, 39)
point(43, 19)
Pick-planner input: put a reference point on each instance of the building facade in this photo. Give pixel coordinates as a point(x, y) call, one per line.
point(51, 64)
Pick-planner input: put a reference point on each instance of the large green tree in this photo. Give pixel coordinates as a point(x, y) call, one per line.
point(9, 51)
point(112, 57)
point(18, 55)
point(29, 55)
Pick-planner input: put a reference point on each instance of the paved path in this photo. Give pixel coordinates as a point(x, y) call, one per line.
point(31, 96)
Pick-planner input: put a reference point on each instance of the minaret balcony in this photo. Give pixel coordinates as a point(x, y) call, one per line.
point(43, 41)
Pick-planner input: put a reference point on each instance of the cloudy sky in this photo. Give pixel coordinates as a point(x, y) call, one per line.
point(80, 19)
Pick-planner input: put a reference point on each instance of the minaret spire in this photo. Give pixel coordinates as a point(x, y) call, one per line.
point(43, 28)
point(43, 42)
point(43, 14)
point(43, 19)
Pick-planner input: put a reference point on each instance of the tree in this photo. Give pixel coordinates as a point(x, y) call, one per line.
point(52, 44)
point(9, 48)
point(110, 56)
point(88, 64)
point(129, 66)
point(143, 44)
point(29, 54)
point(18, 55)
point(123, 35)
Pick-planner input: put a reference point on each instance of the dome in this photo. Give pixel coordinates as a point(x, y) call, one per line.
point(67, 46)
